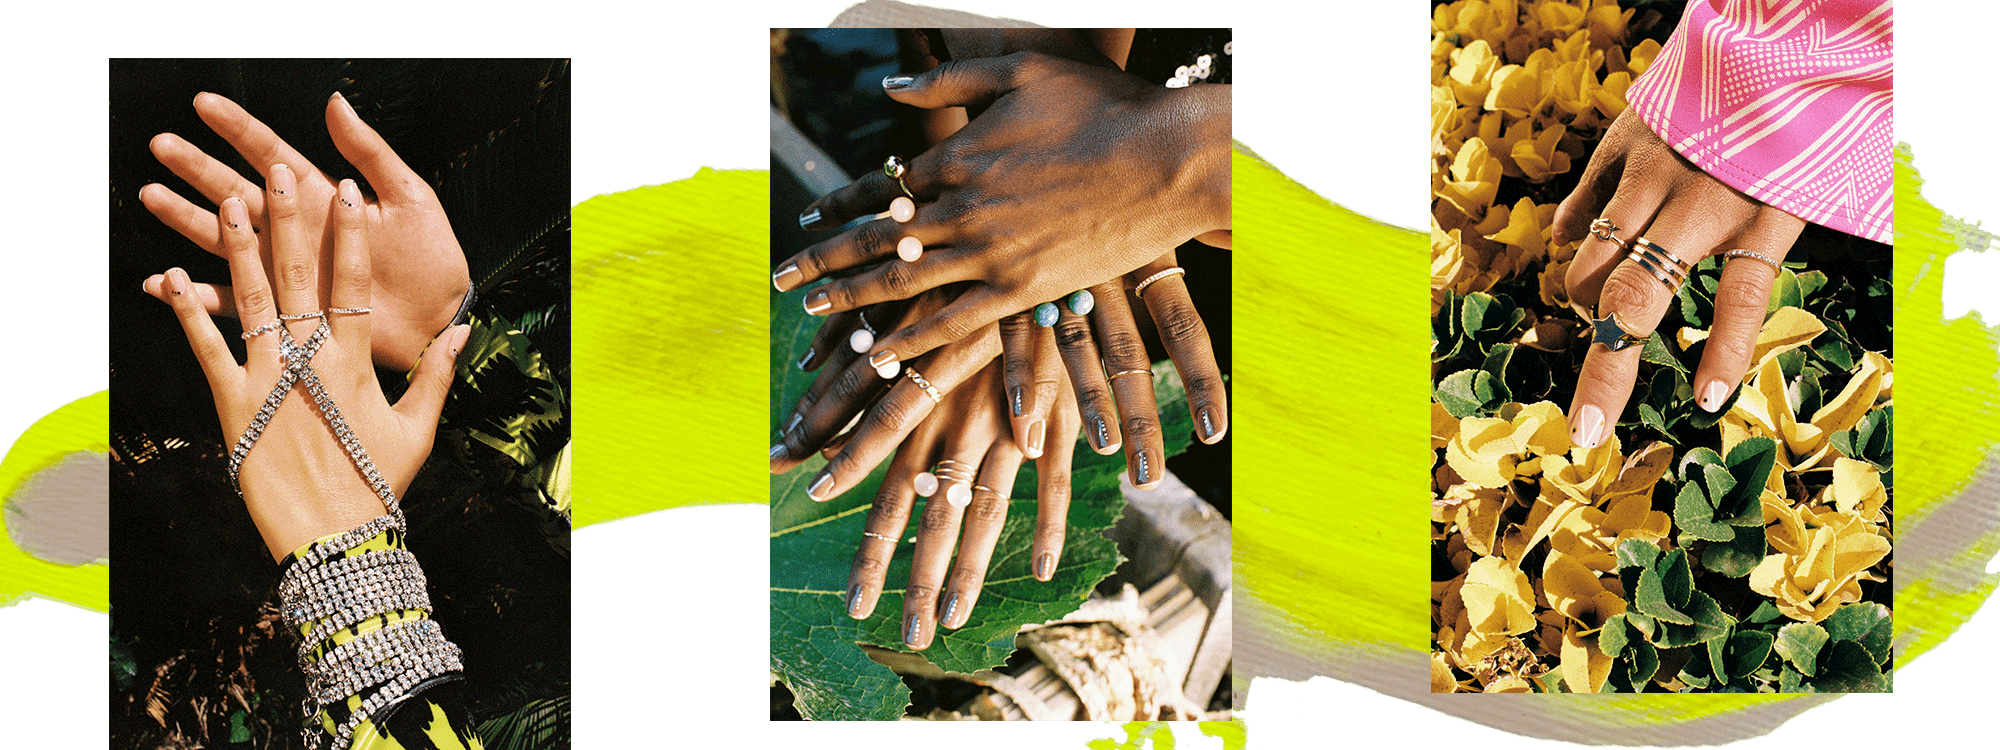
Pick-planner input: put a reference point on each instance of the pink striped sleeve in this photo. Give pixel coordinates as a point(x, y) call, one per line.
point(1789, 102)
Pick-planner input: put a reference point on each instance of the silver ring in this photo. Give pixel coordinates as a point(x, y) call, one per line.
point(261, 330)
point(302, 316)
point(1140, 290)
point(348, 310)
point(895, 168)
point(1671, 271)
point(890, 540)
point(1754, 255)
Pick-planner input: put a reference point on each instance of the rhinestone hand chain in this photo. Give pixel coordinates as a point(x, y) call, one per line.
point(326, 591)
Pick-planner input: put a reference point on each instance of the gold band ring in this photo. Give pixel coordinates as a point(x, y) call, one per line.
point(1140, 290)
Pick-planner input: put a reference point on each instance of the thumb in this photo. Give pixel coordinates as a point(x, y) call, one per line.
point(972, 83)
point(432, 380)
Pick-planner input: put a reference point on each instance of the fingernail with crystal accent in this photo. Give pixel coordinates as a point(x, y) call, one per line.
point(820, 487)
point(234, 214)
point(947, 609)
point(1145, 474)
point(913, 630)
point(176, 280)
point(1017, 400)
point(808, 219)
point(893, 83)
point(1045, 566)
point(1207, 426)
point(854, 603)
point(282, 180)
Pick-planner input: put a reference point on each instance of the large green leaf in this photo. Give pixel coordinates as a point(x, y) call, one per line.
point(814, 644)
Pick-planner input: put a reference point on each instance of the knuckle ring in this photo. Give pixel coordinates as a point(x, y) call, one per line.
point(1117, 375)
point(894, 167)
point(1602, 228)
point(1671, 272)
point(1611, 332)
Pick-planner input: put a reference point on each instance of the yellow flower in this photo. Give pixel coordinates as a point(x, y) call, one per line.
point(1473, 180)
point(1764, 408)
point(1857, 489)
point(1471, 74)
point(1524, 237)
point(1809, 583)
point(1576, 591)
point(1490, 452)
point(1538, 159)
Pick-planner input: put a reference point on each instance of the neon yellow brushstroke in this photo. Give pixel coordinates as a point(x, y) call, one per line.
point(80, 425)
point(671, 345)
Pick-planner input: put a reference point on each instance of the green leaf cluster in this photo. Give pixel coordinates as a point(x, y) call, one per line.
point(1673, 633)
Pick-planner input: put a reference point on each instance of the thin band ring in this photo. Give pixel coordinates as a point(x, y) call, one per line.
point(890, 540)
point(302, 316)
point(1115, 376)
point(348, 310)
point(984, 488)
point(1754, 255)
point(1140, 290)
point(929, 390)
point(261, 330)
point(1671, 271)
point(895, 168)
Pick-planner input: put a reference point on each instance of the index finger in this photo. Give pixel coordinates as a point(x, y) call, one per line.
point(250, 137)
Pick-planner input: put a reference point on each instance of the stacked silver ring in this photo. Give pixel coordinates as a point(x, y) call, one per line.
point(1662, 264)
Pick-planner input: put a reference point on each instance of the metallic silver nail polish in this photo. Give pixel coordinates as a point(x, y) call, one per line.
point(806, 360)
point(912, 629)
point(1207, 427)
point(1103, 438)
point(809, 218)
point(1045, 566)
point(794, 424)
point(777, 451)
point(893, 83)
point(854, 601)
point(1017, 400)
point(950, 608)
point(1143, 474)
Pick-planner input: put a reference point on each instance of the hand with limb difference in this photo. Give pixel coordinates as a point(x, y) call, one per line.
point(1650, 215)
point(298, 481)
point(423, 280)
point(1000, 204)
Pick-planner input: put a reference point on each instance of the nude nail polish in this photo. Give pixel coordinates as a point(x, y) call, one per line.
point(786, 277)
point(1713, 394)
point(817, 303)
point(1037, 433)
point(882, 358)
point(1588, 430)
point(234, 214)
point(283, 182)
point(820, 487)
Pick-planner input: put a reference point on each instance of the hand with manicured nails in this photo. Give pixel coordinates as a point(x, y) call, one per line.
point(961, 457)
point(419, 287)
point(1074, 174)
point(1641, 185)
point(298, 482)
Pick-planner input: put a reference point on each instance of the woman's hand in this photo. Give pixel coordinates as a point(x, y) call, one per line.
point(1073, 175)
point(961, 457)
point(297, 480)
point(417, 292)
point(1640, 185)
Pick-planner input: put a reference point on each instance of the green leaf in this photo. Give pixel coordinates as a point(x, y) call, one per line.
point(1637, 553)
point(1799, 643)
point(1849, 668)
point(814, 644)
point(1665, 590)
point(1661, 350)
point(1750, 465)
point(1708, 622)
point(1471, 393)
point(1765, 612)
point(1738, 556)
point(1745, 653)
point(1793, 682)
point(1865, 623)
point(1694, 508)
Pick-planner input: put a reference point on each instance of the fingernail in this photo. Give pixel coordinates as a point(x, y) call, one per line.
point(895, 83)
point(807, 360)
point(176, 280)
point(910, 249)
point(1207, 426)
point(1145, 470)
point(777, 451)
point(809, 218)
point(1037, 432)
point(786, 277)
point(1017, 400)
point(282, 181)
point(335, 97)
point(794, 424)
point(1589, 427)
point(1046, 314)
point(1045, 566)
point(949, 608)
point(817, 303)
point(1713, 394)
point(882, 358)
point(959, 495)
point(820, 487)
point(854, 603)
point(913, 629)
point(350, 195)
point(1101, 437)
point(458, 342)
point(234, 214)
